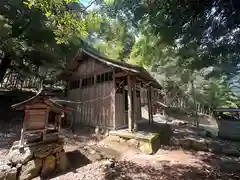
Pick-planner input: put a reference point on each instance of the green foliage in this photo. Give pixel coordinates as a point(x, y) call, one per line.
point(113, 39)
point(42, 34)
point(191, 48)
point(67, 18)
point(182, 86)
point(27, 40)
point(204, 31)
point(188, 45)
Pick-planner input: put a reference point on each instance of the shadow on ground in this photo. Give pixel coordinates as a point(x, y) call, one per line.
point(77, 159)
point(131, 171)
point(222, 163)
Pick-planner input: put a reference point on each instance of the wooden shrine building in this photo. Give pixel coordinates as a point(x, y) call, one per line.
point(42, 120)
point(105, 92)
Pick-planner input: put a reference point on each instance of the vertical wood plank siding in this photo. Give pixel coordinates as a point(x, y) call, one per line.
point(120, 110)
point(98, 104)
point(138, 118)
point(94, 107)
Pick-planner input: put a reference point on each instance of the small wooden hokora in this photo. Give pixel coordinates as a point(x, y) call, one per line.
point(42, 118)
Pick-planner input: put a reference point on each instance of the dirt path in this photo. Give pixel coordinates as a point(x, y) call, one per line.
point(89, 156)
point(123, 151)
point(131, 164)
point(128, 170)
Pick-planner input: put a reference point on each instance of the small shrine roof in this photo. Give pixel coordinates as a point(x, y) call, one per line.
point(42, 96)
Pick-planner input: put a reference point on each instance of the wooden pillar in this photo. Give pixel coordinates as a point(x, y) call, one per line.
point(113, 104)
point(151, 93)
point(56, 121)
point(46, 123)
point(149, 104)
point(129, 82)
point(140, 103)
point(22, 138)
point(150, 115)
point(134, 104)
point(66, 89)
point(59, 121)
point(21, 143)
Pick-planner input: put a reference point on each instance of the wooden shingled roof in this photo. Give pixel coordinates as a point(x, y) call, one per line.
point(130, 68)
point(41, 97)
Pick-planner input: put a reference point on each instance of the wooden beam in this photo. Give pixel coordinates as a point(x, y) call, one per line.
point(129, 82)
point(34, 131)
point(143, 81)
point(134, 103)
point(120, 74)
point(95, 73)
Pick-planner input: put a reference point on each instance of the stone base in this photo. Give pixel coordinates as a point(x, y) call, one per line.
point(209, 145)
point(148, 143)
point(42, 160)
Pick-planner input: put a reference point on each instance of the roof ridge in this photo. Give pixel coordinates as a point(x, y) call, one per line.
point(88, 50)
point(131, 68)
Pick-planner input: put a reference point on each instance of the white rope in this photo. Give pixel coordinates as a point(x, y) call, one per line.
point(80, 102)
point(95, 99)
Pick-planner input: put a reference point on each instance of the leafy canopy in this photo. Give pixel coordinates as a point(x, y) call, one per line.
point(205, 31)
point(67, 18)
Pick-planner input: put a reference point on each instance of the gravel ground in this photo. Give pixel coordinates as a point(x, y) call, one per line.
point(126, 170)
point(85, 154)
point(93, 171)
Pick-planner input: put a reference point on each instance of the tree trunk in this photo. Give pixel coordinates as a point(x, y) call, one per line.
point(196, 123)
point(5, 64)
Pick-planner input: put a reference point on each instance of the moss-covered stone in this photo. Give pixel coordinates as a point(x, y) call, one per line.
point(133, 142)
point(31, 169)
point(140, 136)
point(146, 142)
point(48, 167)
point(146, 147)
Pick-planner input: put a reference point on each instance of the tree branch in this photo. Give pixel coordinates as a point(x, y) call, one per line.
point(89, 5)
